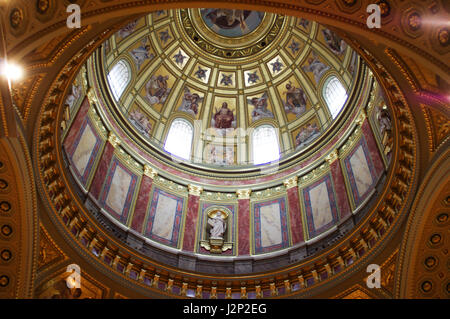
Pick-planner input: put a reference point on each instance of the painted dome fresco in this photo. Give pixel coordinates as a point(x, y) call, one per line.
point(221, 77)
point(225, 141)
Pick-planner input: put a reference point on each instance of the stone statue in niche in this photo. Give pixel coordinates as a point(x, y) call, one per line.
point(217, 222)
point(385, 128)
point(218, 226)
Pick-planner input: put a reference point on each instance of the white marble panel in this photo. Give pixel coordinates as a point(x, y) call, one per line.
point(320, 205)
point(117, 195)
point(80, 157)
point(165, 212)
point(270, 225)
point(361, 171)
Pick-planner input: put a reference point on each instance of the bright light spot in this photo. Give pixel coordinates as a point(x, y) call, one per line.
point(11, 71)
point(265, 145)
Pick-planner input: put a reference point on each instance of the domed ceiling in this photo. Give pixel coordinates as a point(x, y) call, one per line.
point(224, 75)
point(227, 72)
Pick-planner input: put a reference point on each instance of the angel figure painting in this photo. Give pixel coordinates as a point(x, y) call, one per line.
point(316, 67)
point(157, 89)
point(260, 107)
point(295, 100)
point(190, 102)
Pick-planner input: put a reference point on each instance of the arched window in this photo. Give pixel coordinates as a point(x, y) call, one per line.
point(335, 95)
point(265, 145)
point(179, 139)
point(118, 78)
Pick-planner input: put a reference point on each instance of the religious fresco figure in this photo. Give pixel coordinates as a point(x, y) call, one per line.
point(141, 54)
point(295, 100)
point(218, 226)
point(190, 102)
point(260, 107)
point(157, 89)
point(223, 118)
point(306, 135)
point(316, 67)
point(334, 42)
point(140, 121)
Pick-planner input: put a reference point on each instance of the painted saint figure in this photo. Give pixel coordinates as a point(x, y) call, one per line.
point(295, 100)
point(190, 102)
point(223, 118)
point(218, 226)
point(157, 89)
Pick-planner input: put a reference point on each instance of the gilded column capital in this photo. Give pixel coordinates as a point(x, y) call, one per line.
point(330, 158)
point(243, 193)
point(150, 171)
point(113, 139)
point(291, 182)
point(361, 117)
point(195, 190)
point(91, 96)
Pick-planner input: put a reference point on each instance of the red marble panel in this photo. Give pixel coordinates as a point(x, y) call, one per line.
point(102, 170)
point(190, 225)
point(339, 186)
point(373, 148)
point(74, 130)
point(244, 227)
point(141, 204)
point(295, 215)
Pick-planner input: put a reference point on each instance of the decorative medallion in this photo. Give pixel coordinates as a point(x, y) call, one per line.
point(230, 33)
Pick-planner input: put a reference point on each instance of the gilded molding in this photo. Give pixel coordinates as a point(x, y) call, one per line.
point(150, 171)
point(333, 156)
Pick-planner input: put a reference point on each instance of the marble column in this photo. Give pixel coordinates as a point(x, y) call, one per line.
point(190, 225)
point(339, 183)
point(102, 167)
point(295, 215)
point(143, 198)
point(243, 236)
point(375, 153)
